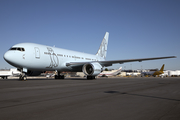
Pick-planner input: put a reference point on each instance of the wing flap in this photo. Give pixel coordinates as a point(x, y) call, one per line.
point(107, 63)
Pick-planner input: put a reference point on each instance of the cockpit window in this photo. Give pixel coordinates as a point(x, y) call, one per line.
point(12, 48)
point(22, 49)
point(17, 48)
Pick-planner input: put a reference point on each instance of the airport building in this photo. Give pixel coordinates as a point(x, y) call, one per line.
point(171, 73)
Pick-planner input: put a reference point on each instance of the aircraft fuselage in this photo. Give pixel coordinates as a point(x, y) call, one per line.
point(41, 57)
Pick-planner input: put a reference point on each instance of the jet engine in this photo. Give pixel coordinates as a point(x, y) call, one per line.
point(92, 69)
point(33, 73)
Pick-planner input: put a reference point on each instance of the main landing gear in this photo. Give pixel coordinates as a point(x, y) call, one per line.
point(58, 76)
point(91, 77)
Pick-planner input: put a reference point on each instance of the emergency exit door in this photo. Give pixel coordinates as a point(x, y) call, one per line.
point(37, 53)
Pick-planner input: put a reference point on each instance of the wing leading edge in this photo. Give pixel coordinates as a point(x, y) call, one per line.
point(109, 63)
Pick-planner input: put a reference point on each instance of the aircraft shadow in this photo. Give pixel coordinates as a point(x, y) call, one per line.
point(44, 79)
point(149, 96)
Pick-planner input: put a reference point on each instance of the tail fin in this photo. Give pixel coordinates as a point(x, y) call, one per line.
point(120, 68)
point(162, 68)
point(103, 48)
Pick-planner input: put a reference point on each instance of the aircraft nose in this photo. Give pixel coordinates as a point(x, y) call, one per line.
point(8, 57)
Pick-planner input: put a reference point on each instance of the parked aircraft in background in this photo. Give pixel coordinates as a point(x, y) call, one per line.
point(31, 59)
point(50, 75)
point(154, 73)
point(6, 73)
point(110, 73)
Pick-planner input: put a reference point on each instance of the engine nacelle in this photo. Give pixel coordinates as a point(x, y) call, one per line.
point(33, 73)
point(92, 69)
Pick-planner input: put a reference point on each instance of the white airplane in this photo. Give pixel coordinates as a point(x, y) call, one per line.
point(110, 73)
point(31, 59)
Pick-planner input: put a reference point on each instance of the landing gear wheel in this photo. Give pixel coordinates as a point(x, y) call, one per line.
point(5, 77)
point(22, 77)
point(91, 77)
point(59, 76)
point(25, 78)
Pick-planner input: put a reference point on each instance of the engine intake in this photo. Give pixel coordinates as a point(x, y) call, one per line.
point(92, 69)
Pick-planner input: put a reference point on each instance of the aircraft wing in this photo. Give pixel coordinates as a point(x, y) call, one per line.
point(109, 63)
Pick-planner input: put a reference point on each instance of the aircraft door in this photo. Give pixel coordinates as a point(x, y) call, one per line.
point(37, 53)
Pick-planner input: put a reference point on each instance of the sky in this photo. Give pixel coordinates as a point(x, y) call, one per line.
point(137, 28)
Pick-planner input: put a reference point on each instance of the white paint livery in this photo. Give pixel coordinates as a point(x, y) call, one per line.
point(31, 59)
point(103, 48)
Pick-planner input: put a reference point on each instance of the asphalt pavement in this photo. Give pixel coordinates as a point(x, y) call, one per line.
point(81, 99)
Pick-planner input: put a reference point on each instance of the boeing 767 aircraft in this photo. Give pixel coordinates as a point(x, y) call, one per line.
point(31, 59)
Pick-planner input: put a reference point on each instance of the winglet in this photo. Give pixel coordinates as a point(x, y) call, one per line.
point(103, 48)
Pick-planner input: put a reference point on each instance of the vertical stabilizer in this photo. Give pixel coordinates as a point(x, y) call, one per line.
point(103, 48)
point(162, 68)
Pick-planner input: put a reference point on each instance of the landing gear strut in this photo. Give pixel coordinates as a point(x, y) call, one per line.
point(58, 76)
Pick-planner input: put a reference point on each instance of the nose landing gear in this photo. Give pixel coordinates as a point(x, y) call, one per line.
point(23, 77)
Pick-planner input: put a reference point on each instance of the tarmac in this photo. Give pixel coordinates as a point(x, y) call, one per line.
point(81, 99)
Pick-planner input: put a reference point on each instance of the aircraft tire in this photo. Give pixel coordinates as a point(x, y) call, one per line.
point(56, 77)
point(24, 78)
point(59, 76)
point(91, 77)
